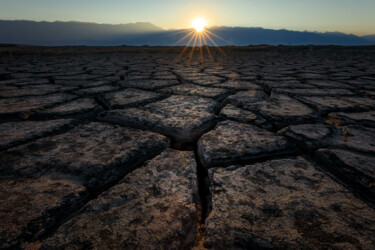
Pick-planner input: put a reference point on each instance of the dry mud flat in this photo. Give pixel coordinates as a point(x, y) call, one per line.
point(131, 149)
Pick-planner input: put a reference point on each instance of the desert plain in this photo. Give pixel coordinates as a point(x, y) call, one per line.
point(145, 148)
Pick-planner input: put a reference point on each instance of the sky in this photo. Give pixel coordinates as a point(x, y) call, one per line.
point(348, 16)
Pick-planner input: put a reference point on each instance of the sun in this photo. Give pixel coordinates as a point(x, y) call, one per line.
point(199, 24)
point(199, 37)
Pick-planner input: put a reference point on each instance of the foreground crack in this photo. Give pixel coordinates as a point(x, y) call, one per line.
point(205, 198)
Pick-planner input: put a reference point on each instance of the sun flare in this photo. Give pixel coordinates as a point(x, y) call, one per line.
point(199, 37)
point(199, 24)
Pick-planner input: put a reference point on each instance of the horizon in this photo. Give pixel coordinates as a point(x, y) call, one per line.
point(342, 16)
point(171, 29)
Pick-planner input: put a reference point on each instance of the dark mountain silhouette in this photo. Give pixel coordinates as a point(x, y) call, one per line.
point(68, 33)
point(144, 33)
point(370, 38)
point(286, 37)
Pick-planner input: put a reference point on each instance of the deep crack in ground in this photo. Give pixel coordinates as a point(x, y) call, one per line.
point(268, 147)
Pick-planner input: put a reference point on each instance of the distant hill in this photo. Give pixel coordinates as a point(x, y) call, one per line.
point(370, 38)
point(68, 33)
point(144, 33)
point(246, 36)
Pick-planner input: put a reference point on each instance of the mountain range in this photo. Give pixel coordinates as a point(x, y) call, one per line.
point(145, 33)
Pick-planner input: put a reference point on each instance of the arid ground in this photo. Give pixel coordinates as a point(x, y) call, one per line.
point(131, 148)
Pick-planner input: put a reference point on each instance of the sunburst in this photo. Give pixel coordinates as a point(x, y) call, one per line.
point(199, 24)
point(198, 33)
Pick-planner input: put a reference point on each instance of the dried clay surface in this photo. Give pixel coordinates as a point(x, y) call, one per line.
point(141, 148)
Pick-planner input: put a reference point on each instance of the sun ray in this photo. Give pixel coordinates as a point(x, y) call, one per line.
point(184, 30)
point(188, 31)
point(216, 36)
point(186, 36)
point(186, 47)
point(199, 34)
point(207, 47)
point(200, 47)
point(192, 49)
point(209, 38)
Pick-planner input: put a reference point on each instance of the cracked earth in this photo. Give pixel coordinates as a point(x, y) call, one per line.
point(132, 149)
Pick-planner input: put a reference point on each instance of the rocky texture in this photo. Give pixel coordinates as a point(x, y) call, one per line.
point(94, 154)
point(88, 186)
point(182, 118)
point(97, 90)
point(363, 118)
point(285, 204)
point(149, 84)
point(291, 84)
point(195, 90)
point(238, 85)
point(245, 98)
point(15, 133)
point(314, 136)
point(349, 154)
point(154, 207)
point(200, 78)
point(282, 111)
point(30, 207)
point(314, 92)
point(178, 104)
point(311, 76)
point(358, 168)
point(23, 107)
point(232, 113)
point(80, 108)
point(128, 98)
point(32, 90)
point(232, 143)
point(325, 105)
point(84, 84)
point(324, 84)
point(359, 138)
point(363, 102)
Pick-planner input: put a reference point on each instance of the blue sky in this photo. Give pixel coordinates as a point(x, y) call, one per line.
point(349, 16)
